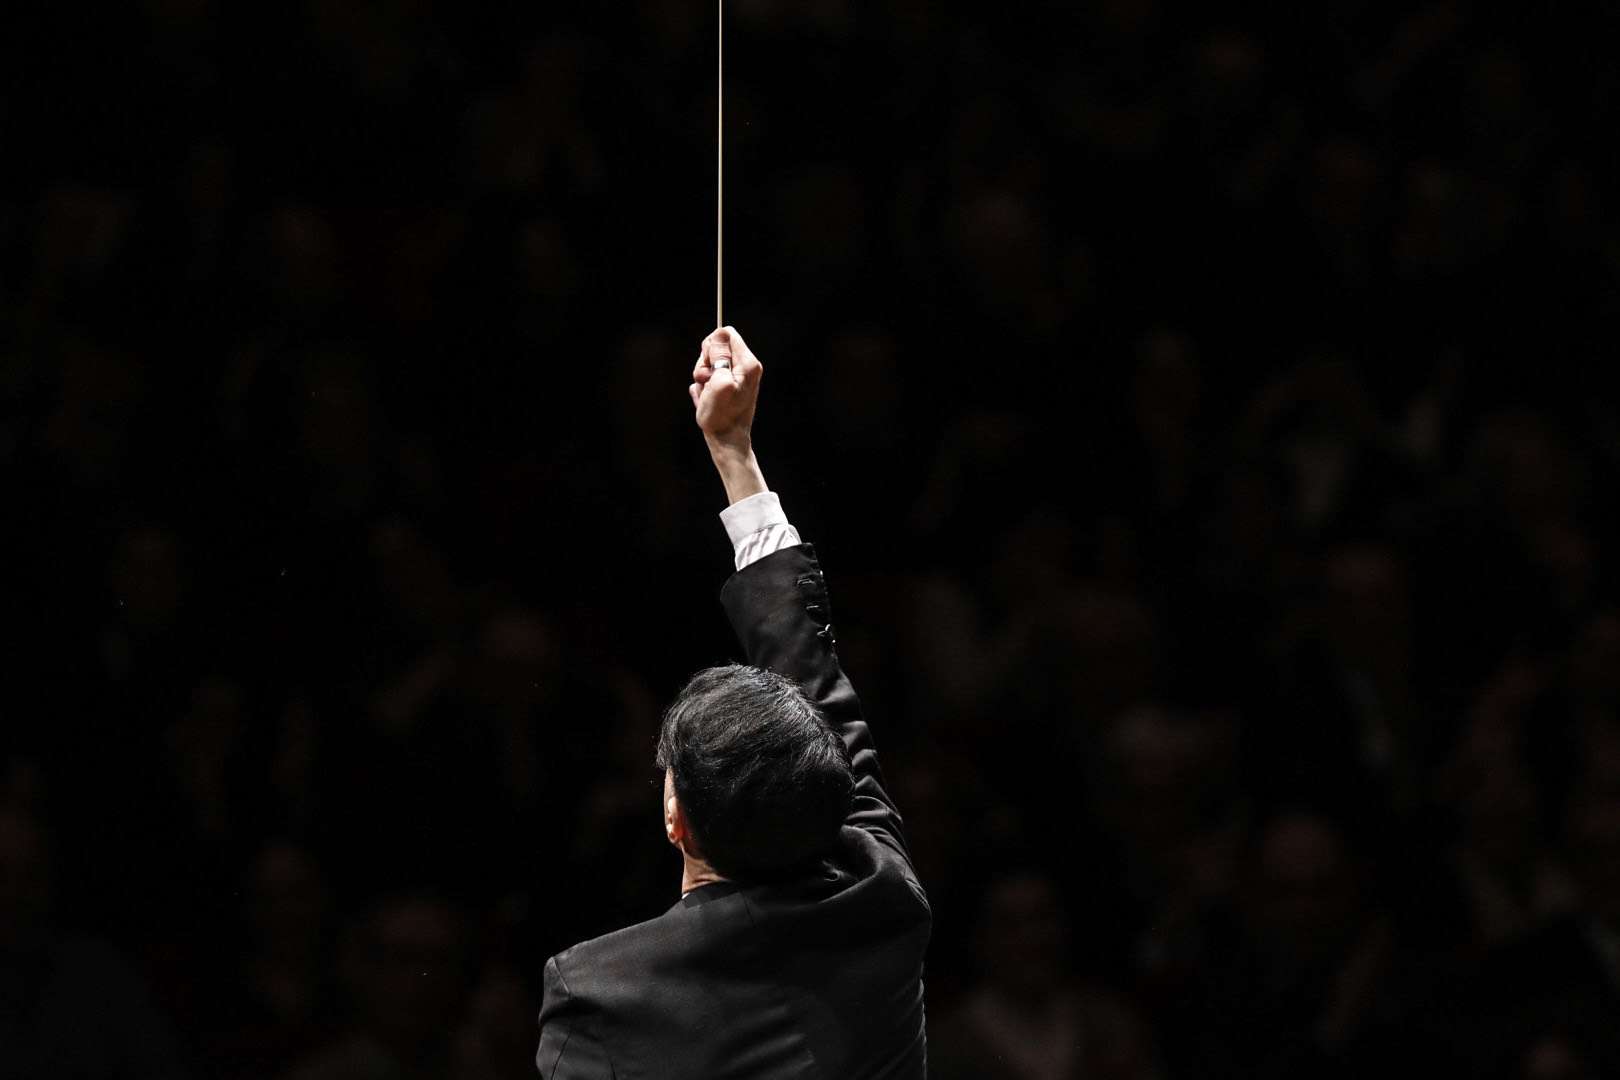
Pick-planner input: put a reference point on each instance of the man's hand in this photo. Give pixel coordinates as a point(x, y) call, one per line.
point(725, 387)
point(724, 391)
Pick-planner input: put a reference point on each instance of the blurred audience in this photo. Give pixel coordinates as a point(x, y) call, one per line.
point(405, 969)
point(1029, 1017)
point(1208, 415)
point(70, 1005)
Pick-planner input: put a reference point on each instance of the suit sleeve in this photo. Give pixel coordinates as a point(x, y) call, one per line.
point(779, 609)
point(569, 1045)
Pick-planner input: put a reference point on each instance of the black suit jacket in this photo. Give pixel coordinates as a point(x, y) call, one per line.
point(819, 978)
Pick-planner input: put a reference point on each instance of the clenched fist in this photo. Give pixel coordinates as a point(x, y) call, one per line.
point(725, 388)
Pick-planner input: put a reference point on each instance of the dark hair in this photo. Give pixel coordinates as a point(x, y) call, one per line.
point(764, 780)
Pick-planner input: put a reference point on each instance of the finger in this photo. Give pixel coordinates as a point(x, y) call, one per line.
point(720, 352)
point(722, 386)
point(739, 347)
point(720, 382)
point(694, 392)
point(746, 367)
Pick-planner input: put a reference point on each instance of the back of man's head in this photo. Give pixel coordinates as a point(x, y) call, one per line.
point(763, 779)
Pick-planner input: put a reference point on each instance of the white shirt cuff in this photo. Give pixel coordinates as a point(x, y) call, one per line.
point(757, 527)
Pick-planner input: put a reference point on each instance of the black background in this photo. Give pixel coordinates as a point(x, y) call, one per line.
point(1206, 416)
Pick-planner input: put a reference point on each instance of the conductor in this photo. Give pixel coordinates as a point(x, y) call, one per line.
point(796, 949)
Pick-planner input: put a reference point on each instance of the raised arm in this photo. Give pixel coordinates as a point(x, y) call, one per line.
point(777, 601)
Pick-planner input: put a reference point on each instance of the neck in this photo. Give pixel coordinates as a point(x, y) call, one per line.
point(697, 873)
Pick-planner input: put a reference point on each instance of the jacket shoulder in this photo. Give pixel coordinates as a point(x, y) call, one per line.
point(627, 958)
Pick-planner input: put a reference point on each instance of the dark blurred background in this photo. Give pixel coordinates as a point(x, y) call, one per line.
point(1206, 414)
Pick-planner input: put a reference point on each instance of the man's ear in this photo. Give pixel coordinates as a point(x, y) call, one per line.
point(674, 817)
point(674, 821)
